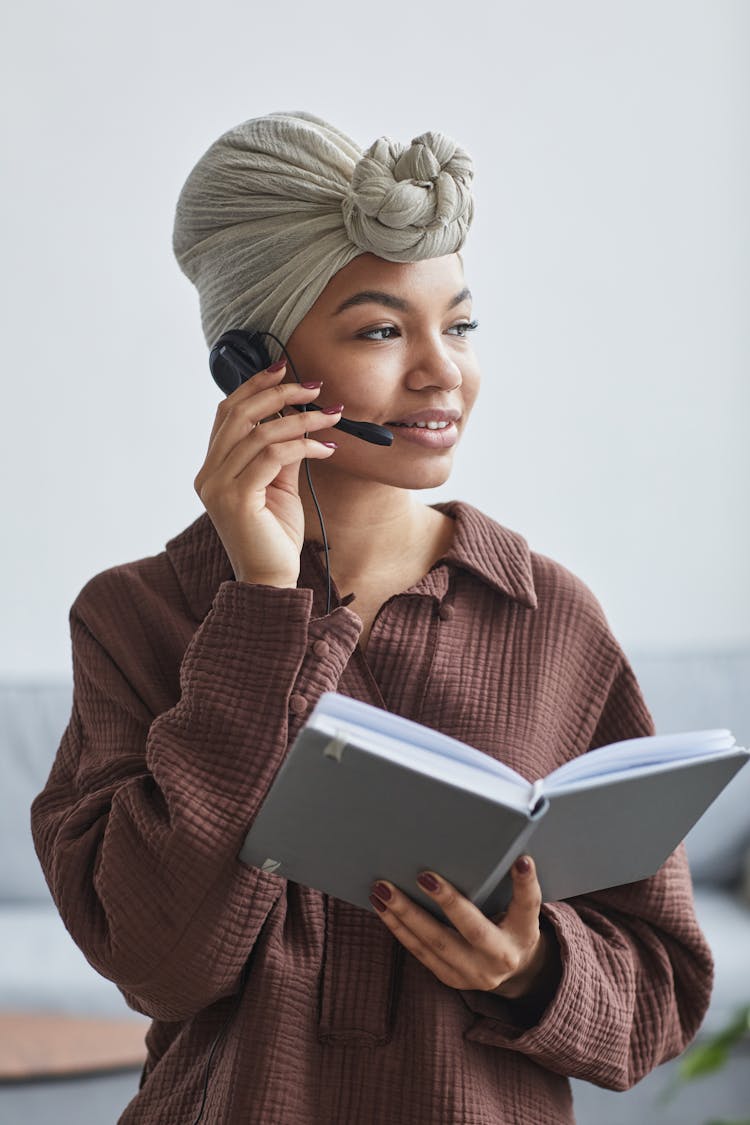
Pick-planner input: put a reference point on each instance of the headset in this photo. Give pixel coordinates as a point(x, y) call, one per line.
point(238, 355)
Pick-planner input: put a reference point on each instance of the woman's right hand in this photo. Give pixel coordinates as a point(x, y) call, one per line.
point(249, 481)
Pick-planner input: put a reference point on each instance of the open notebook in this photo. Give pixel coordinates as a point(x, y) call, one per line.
point(365, 794)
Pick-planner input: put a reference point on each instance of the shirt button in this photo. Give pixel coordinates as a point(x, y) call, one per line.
point(445, 612)
point(321, 648)
point(297, 704)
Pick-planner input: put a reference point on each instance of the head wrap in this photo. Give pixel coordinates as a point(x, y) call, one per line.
point(279, 204)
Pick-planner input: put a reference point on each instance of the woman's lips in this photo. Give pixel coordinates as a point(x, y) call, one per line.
point(430, 439)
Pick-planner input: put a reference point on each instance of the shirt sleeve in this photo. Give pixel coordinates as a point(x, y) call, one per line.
point(141, 820)
point(636, 972)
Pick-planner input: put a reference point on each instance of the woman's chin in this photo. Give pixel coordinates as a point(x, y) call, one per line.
point(384, 465)
point(425, 477)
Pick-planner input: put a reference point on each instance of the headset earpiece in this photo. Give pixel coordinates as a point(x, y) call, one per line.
point(236, 356)
point(240, 353)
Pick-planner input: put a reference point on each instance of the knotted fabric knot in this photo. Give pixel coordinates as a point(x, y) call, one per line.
point(405, 204)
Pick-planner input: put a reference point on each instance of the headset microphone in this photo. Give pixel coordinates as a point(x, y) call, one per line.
point(239, 354)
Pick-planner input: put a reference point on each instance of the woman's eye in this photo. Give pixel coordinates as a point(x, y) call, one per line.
point(467, 325)
point(372, 333)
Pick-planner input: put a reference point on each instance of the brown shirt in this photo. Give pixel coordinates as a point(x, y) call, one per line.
point(188, 690)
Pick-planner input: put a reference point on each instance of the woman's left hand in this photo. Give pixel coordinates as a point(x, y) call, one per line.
point(508, 957)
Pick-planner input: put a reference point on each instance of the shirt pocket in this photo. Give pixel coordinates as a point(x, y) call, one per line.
point(360, 977)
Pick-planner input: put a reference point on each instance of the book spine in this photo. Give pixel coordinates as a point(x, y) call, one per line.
point(480, 896)
point(537, 798)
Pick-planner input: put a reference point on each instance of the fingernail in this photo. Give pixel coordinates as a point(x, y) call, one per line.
point(378, 904)
point(276, 367)
point(522, 865)
point(330, 444)
point(427, 882)
point(311, 386)
point(333, 409)
point(382, 891)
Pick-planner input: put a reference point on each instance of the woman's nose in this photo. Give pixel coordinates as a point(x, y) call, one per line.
point(433, 365)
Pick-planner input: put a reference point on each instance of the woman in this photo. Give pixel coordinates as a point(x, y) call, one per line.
point(194, 670)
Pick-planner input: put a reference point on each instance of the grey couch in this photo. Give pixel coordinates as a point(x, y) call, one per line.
point(42, 970)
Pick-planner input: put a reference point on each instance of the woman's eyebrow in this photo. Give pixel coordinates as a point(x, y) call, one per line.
point(377, 297)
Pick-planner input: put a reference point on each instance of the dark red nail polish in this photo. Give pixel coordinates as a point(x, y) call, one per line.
point(427, 882)
point(377, 903)
point(334, 409)
point(382, 891)
point(522, 865)
point(276, 367)
point(311, 386)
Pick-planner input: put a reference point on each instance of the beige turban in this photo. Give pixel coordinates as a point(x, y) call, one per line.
point(279, 204)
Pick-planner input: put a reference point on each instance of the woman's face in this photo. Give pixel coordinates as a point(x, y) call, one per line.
point(398, 348)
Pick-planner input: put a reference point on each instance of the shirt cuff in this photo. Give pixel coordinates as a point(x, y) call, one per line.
point(502, 1016)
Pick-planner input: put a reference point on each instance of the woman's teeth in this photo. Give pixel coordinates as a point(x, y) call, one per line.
point(422, 425)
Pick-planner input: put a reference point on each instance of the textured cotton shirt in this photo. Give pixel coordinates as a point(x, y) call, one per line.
point(189, 688)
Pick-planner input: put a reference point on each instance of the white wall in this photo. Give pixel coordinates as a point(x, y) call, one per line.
point(609, 260)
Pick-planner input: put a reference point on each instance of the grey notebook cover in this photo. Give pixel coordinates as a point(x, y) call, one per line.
point(338, 817)
point(620, 829)
point(337, 823)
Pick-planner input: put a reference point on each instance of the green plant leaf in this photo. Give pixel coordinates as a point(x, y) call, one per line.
point(735, 1030)
point(703, 1060)
point(707, 1058)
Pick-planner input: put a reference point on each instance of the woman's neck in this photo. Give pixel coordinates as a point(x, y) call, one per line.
point(371, 527)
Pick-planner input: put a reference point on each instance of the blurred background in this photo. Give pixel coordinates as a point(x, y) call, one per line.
point(609, 261)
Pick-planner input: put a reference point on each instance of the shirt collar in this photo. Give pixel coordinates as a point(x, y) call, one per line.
point(493, 553)
point(496, 554)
